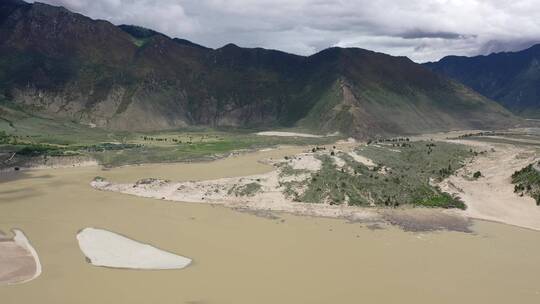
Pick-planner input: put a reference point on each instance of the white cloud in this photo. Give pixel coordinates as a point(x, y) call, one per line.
point(421, 29)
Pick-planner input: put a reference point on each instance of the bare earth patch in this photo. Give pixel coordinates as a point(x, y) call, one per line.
point(362, 159)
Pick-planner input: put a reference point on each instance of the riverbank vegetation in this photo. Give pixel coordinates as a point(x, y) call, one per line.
point(31, 137)
point(527, 182)
point(402, 176)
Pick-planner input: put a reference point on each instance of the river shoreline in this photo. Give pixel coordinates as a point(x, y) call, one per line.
point(292, 255)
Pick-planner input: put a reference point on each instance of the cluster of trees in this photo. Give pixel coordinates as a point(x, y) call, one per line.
point(391, 202)
point(189, 140)
point(402, 145)
point(527, 181)
point(6, 138)
point(109, 147)
point(488, 133)
point(388, 140)
point(174, 140)
point(317, 148)
point(148, 138)
point(430, 147)
point(446, 172)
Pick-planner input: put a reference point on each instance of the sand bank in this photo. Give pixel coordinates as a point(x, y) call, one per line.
point(105, 248)
point(269, 196)
point(19, 262)
point(54, 162)
point(287, 134)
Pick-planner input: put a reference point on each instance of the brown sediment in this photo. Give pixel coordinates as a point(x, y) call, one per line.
point(268, 214)
point(46, 162)
point(424, 219)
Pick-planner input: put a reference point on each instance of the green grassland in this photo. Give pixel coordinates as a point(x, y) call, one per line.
point(28, 135)
point(189, 146)
point(405, 175)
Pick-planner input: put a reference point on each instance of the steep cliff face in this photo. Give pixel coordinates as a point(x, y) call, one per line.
point(63, 64)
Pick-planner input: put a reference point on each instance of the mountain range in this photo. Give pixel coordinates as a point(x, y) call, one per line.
point(58, 63)
point(510, 78)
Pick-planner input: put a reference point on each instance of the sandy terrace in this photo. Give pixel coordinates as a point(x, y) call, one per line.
point(492, 196)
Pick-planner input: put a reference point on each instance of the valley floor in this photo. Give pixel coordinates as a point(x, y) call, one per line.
point(490, 197)
point(300, 259)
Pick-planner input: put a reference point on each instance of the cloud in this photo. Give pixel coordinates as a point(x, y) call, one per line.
point(420, 29)
point(167, 16)
point(416, 34)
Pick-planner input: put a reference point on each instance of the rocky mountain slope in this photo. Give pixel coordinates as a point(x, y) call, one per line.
point(511, 78)
point(62, 64)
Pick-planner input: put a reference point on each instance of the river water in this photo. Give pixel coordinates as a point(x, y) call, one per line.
point(242, 258)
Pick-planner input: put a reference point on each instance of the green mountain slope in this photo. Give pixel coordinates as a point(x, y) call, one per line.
point(513, 78)
point(381, 93)
point(62, 64)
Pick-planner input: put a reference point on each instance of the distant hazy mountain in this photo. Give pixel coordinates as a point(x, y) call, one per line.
point(63, 64)
point(512, 78)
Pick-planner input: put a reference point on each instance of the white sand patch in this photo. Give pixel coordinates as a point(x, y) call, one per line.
point(340, 163)
point(287, 134)
point(384, 170)
point(305, 161)
point(105, 248)
point(362, 159)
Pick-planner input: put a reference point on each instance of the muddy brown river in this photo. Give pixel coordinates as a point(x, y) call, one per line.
point(242, 258)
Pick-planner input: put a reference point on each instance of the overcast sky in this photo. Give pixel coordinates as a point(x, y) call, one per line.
point(423, 30)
